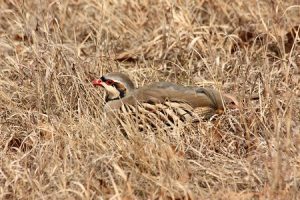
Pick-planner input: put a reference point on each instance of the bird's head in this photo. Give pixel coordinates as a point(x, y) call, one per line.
point(116, 84)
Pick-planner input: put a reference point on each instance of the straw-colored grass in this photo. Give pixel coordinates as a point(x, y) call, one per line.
point(56, 143)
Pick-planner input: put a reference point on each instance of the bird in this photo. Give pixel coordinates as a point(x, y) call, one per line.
point(160, 102)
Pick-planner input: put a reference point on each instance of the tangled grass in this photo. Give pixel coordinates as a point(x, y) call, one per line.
point(55, 142)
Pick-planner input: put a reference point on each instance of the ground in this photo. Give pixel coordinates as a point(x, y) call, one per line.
point(56, 142)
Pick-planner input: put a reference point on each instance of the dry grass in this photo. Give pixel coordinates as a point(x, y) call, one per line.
point(55, 142)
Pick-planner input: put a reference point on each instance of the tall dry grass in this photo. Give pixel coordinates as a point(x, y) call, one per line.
point(55, 142)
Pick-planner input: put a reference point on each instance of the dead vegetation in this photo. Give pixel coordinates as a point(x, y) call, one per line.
point(55, 142)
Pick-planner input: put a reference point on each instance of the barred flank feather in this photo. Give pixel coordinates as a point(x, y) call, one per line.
point(161, 115)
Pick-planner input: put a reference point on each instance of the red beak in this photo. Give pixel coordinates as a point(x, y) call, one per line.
point(97, 82)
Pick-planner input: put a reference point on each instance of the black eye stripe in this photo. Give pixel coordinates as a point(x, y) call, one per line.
point(107, 81)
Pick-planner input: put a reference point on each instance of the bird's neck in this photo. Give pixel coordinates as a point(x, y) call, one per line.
point(114, 97)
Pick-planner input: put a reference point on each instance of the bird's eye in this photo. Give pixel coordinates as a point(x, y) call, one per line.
point(109, 82)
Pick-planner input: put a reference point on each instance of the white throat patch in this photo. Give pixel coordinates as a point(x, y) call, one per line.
point(112, 92)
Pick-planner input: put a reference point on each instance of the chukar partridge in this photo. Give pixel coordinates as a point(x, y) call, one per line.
point(160, 102)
